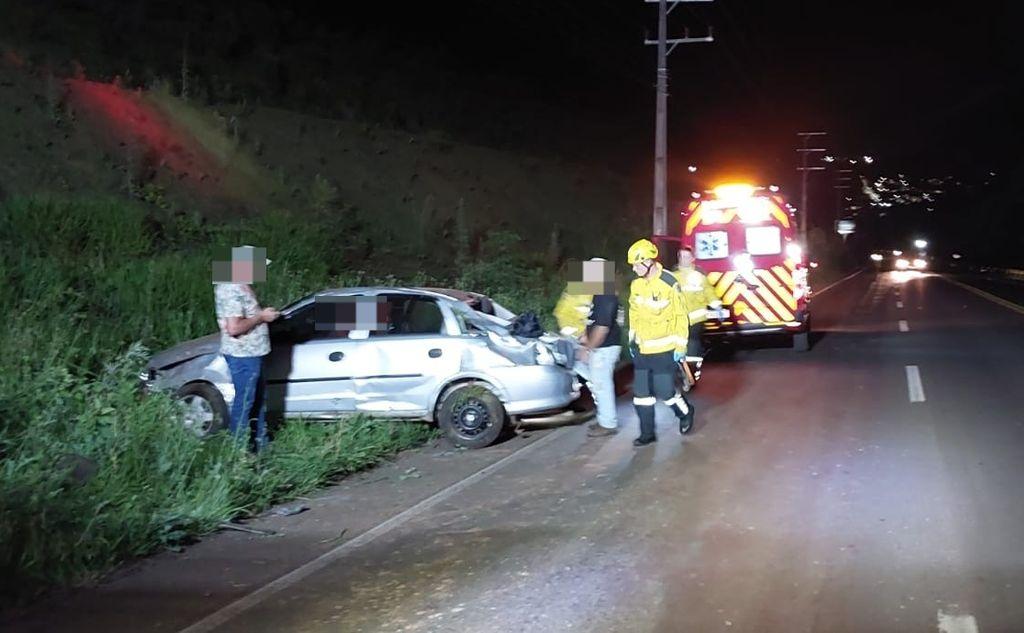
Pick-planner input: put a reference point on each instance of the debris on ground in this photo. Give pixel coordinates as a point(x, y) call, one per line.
point(410, 473)
point(287, 511)
point(247, 530)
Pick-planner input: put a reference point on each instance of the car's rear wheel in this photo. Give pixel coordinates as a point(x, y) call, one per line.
point(472, 416)
point(205, 409)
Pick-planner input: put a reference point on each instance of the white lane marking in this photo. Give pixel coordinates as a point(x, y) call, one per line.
point(904, 326)
point(899, 304)
point(915, 390)
point(949, 623)
point(836, 283)
point(227, 613)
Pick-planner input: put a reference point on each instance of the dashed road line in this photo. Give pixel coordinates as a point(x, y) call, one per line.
point(957, 623)
point(915, 390)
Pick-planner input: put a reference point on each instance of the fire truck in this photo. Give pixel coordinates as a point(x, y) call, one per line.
point(745, 239)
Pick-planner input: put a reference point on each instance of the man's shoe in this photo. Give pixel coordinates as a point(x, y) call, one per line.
point(596, 430)
point(686, 421)
point(644, 441)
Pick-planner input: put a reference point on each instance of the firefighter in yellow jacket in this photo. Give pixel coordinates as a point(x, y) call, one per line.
point(658, 330)
point(698, 295)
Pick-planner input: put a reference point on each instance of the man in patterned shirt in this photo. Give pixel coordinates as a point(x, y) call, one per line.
point(244, 337)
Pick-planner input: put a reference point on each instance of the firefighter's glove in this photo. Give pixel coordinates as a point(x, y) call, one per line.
point(678, 355)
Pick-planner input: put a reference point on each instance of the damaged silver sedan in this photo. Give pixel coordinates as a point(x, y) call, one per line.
point(446, 356)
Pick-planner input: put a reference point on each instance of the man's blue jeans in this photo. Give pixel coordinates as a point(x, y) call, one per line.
point(600, 376)
point(248, 405)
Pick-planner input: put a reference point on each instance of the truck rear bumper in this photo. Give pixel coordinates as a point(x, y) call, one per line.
point(727, 330)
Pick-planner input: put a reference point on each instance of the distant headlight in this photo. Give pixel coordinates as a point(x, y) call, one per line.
point(876, 257)
point(920, 263)
point(902, 264)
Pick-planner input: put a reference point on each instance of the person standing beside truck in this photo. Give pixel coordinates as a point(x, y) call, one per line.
point(698, 296)
point(658, 332)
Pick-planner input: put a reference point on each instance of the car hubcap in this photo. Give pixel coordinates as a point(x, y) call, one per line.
point(471, 418)
point(198, 415)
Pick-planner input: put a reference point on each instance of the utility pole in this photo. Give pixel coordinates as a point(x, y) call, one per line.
point(842, 183)
point(803, 169)
point(660, 219)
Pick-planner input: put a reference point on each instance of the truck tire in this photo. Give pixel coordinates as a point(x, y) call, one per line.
point(802, 341)
point(472, 416)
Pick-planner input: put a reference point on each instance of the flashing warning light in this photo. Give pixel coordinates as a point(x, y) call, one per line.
point(734, 192)
point(773, 188)
point(695, 195)
point(794, 252)
point(743, 263)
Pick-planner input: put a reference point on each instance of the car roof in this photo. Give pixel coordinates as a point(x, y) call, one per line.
point(446, 294)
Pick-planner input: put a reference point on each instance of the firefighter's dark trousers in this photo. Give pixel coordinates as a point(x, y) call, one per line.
point(653, 380)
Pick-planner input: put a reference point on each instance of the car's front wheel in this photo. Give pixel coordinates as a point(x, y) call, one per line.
point(205, 409)
point(471, 415)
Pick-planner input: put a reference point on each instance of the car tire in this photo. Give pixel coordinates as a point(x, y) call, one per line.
point(472, 416)
point(206, 411)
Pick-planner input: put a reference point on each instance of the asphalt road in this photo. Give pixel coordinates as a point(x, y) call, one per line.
point(871, 484)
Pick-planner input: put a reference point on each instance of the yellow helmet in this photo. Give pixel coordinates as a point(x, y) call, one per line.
point(641, 250)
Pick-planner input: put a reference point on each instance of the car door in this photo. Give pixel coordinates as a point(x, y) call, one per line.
point(309, 371)
point(405, 365)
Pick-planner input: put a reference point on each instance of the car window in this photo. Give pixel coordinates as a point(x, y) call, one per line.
point(409, 314)
point(301, 326)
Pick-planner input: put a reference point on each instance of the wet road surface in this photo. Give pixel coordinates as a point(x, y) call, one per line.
point(871, 484)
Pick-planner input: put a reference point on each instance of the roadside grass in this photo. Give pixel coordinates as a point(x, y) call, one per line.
point(91, 473)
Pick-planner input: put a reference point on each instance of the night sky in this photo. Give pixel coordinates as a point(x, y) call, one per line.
point(926, 89)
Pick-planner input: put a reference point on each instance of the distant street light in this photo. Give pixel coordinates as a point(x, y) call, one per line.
point(829, 159)
point(920, 243)
point(692, 169)
point(773, 188)
point(869, 160)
